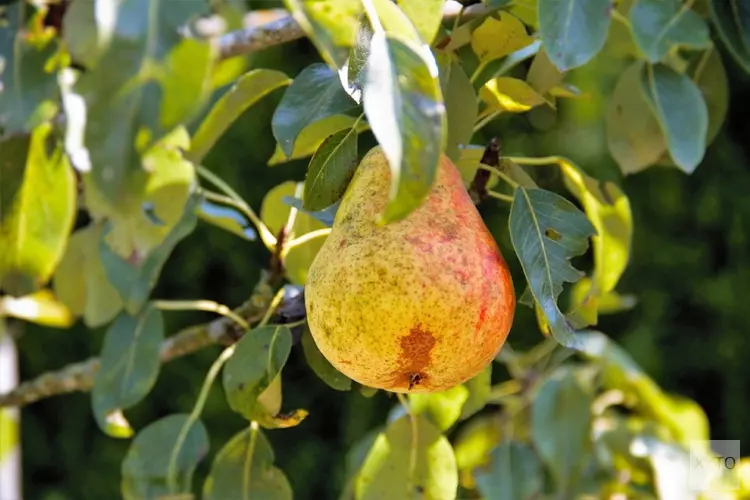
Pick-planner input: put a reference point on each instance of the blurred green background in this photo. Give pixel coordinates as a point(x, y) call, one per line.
point(690, 271)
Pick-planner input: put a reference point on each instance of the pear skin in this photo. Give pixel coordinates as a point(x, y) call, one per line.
point(418, 305)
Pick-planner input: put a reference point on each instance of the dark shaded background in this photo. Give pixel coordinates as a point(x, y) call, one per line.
point(690, 270)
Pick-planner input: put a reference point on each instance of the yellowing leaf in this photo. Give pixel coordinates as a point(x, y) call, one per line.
point(441, 408)
point(474, 443)
point(496, 38)
point(40, 307)
point(510, 94)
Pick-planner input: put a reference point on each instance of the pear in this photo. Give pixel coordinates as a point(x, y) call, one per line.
point(418, 305)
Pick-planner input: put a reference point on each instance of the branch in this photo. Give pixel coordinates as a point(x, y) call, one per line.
point(80, 376)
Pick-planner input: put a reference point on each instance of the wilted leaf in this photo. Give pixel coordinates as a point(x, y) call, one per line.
point(732, 19)
point(246, 91)
point(510, 94)
point(312, 136)
point(426, 16)
point(227, 217)
point(146, 466)
point(496, 38)
point(479, 388)
point(460, 106)
point(385, 472)
point(129, 367)
point(634, 136)
point(546, 231)
point(134, 280)
point(40, 307)
point(407, 116)
point(660, 25)
point(441, 408)
point(37, 209)
point(330, 24)
point(243, 469)
point(330, 170)
point(682, 113)
point(561, 423)
point(474, 444)
point(321, 366)
point(543, 75)
point(514, 473)
point(573, 31)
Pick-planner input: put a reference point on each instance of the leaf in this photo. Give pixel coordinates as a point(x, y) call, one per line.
point(331, 25)
point(659, 26)
point(709, 74)
point(671, 466)
point(546, 231)
point(634, 137)
point(396, 23)
point(321, 366)
point(41, 307)
point(315, 94)
point(461, 107)
point(573, 31)
point(479, 388)
point(561, 423)
point(496, 38)
point(28, 87)
point(732, 20)
point(80, 281)
point(510, 94)
point(81, 33)
point(330, 170)
point(134, 280)
point(352, 74)
point(427, 15)
point(9, 432)
point(325, 217)
point(515, 473)
point(385, 472)
point(407, 116)
point(146, 465)
point(682, 113)
point(246, 91)
point(130, 363)
point(441, 408)
point(37, 209)
point(244, 469)
point(184, 97)
point(312, 136)
point(543, 75)
point(228, 218)
point(474, 443)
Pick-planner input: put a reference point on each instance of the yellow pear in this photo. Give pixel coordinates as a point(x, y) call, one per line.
point(418, 305)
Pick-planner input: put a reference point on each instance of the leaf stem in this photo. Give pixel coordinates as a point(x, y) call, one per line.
point(531, 161)
point(414, 444)
point(249, 459)
point(289, 226)
point(200, 305)
point(487, 119)
point(272, 307)
point(617, 16)
point(304, 239)
point(482, 66)
point(500, 174)
point(235, 200)
point(499, 196)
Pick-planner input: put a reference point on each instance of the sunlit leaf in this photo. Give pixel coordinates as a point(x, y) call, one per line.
point(37, 209)
point(514, 473)
point(321, 366)
point(147, 464)
point(426, 16)
point(474, 444)
point(496, 38)
point(479, 388)
point(510, 94)
point(661, 25)
point(330, 24)
point(607, 303)
point(407, 116)
point(244, 469)
point(561, 423)
point(441, 408)
point(543, 75)
point(682, 113)
point(330, 170)
point(547, 231)
point(573, 31)
point(395, 22)
point(129, 367)
point(386, 470)
point(671, 465)
point(10, 434)
point(312, 136)
point(732, 20)
point(41, 307)
point(460, 106)
point(246, 91)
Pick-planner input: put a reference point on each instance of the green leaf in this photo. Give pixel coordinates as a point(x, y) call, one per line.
point(461, 106)
point(427, 15)
point(732, 20)
point(325, 217)
point(514, 473)
point(510, 94)
point(37, 208)
point(312, 136)
point(130, 363)
point(244, 469)
point(146, 465)
point(321, 366)
point(81, 33)
point(634, 136)
point(134, 280)
point(385, 472)
point(474, 443)
point(573, 31)
point(315, 94)
point(682, 113)
point(395, 22)
point(353, 78)
point(659, 26)
point(709, 74)
point(407, 116)
point(561, 423)
point(246, 91)
point(442, 408)
point(330, 24)
point(496, 38)
point(330, 170)
point(479, 388)
point(546, 231)
point(29, 91)
point(543, 75)
point(227, 217)
point(258, 358)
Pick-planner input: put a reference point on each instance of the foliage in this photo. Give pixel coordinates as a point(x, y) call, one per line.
point(131, 108)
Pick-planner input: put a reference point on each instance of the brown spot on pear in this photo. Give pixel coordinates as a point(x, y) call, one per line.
point(418, 305)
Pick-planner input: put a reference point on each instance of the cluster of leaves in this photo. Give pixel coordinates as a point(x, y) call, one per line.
point(109, 114)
